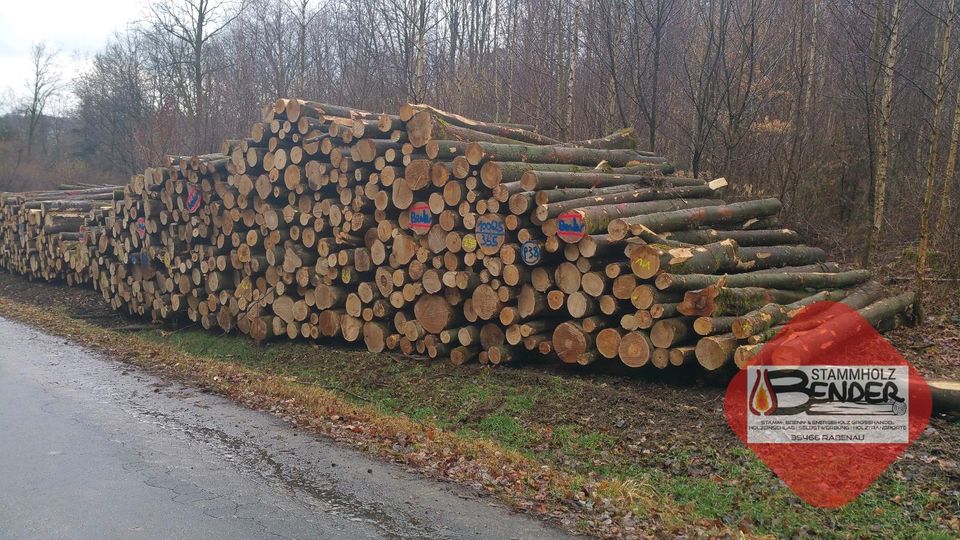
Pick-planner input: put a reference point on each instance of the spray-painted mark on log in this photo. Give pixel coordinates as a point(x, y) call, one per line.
point(420, 218)
point(571, 227)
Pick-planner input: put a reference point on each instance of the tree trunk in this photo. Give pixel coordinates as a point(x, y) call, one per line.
point(883, 157)
point(930, 183)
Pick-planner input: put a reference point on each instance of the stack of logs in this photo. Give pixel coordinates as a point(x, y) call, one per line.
point(46, 233)
point(431, 233)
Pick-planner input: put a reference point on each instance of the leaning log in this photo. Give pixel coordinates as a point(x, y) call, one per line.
point(771, 280)
point(693, 218)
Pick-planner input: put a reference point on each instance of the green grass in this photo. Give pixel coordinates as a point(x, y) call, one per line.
point(519, 410)
point(223, 347)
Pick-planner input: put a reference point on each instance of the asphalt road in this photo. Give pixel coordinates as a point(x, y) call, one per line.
point(93, 448)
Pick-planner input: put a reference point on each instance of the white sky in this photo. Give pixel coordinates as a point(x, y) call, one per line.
point(75, 28)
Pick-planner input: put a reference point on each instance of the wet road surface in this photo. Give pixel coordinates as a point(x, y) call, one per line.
point(93, 448)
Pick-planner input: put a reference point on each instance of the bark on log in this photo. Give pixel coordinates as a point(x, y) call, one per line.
point(774, 237)
point(723, 301)
point(478, 151)
point(424, 113)
point(623, 198)
point(596, 219)
point(945, 394)
point(692, 218)
point(707, 326)
point(538, 180)
point(623, 138)
point(772, 280)
point(763, 318)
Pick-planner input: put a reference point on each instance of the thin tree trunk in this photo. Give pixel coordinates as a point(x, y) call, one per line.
point(932, 163)
point(496, 65)
point(572, 70)
point(303, 48)
point(421, 52)
point(655, 81)
point(880, 184)
point(559, 52)
point(811, 57)
point(944, 213)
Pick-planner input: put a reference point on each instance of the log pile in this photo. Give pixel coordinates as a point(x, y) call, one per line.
point(45, 232)
point(431, 233)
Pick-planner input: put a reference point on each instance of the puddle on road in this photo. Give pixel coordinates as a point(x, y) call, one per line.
point(252, 459)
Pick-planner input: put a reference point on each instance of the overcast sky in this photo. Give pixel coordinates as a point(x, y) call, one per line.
point(76, 28)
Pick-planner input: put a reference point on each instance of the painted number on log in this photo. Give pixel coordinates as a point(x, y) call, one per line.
point(640, 264)
point(531, 253)
point(420, 218)
point(570, 227)
point(141, 227)
point(469, 243)
point(490, 233)
point(193, 198)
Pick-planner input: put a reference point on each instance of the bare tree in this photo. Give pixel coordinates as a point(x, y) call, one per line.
point(656, 18)
point(194, 23)
point(943, 215)
point(929, 184)
point(883, 150)
point(701, 76)
point(44, 85)
point(304, 19)
point(804, 54)
point(408, 23)
point(115, 109)
point(572, 54)
point(740, 74)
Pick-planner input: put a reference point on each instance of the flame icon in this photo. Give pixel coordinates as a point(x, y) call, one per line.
point(763, 400)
